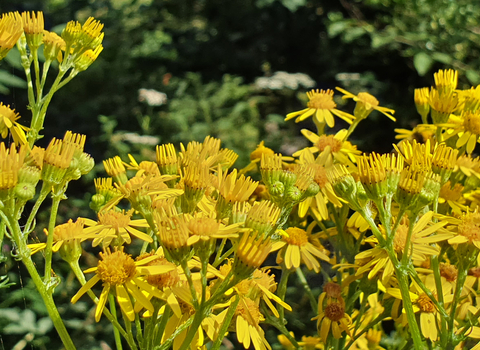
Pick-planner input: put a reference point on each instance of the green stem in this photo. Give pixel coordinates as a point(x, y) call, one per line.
point(278, 324)
point(188, 275)
point(113, 320)
point(282, 290)
point(37, 72)
point(43, 194)
point(160, 327)
point(303, 281)
point(412, 219)
point(51, 226)
point(24, 254)
point(113, 310)
point(168, 343)
point(226, 323)
point(138, 327)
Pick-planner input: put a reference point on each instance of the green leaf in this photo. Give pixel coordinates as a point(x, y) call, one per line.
point(9, 79)
point(422, 63)
point(442, 57)
point(473, 76)
point(336, 28)
point(13, 58)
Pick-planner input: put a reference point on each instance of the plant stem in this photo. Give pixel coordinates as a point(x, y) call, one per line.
point(51, 226)
point(113, 310)
point(226, 323)
point(303, 281)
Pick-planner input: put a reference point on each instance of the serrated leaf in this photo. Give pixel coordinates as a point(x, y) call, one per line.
point(9, 79)
point(422, 63)
point(473, 76)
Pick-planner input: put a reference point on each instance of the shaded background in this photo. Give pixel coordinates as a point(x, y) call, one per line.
point(207, 57)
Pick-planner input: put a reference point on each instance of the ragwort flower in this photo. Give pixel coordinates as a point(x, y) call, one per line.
point(322, 106)
point(121, 275)
point(366, 104)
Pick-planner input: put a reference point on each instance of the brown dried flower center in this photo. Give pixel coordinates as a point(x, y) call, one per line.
point(448, 271)
point(425, 304)
point(335, 311)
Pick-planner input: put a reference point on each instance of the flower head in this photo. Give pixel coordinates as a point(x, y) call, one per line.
point(11, 28)
point(119, 272)
point(322, 106)
point(366, 104)
point(8, 119)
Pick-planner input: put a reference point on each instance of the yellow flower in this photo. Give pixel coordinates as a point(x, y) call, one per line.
point(11, 28)
point(70, 233)
point(247, 319)
point(8, 123)
point(446, 81)
point(373, 260)
point(453, 197)
point(256, 157)
point(322, 106)
point(366, 103)
point(333, 147)
point(332, 317)
point(53, 44)
point(251, 253)
point(86, 59)
point(468, 229)
point(167, 159)
point(318, 203)
point(443, 105)
point(421, 133)
point(295, 248)
point(114, 224)
point(33, 28)
point(120, 272)
point(11, 160)
point(421, 98)
point(233, 189)
point(205, 229)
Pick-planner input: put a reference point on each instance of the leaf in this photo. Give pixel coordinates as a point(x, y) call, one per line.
point(422, 63)
point(13, 58)
point(336, 28)
point(9, 79)
point(473, 76)
point(44, 325)
point(442, 57)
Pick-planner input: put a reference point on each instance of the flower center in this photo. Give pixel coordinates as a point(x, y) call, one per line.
point(249, 311)
point(448, 271)
point(474, 271)
point(425, 304)
point(324, 141)
point(451, 194)
point(320, 175)
point(332, 290)
point(470, 226)
point(296, 236)
point(165, 280)
point(335, 311)
point(115, 219)
point(368, 100)
point(401, 238)
point(116, 268)
point(203, 226)
point(471, 122)
point(150, 168)
point(70, 230)
point(321, 99)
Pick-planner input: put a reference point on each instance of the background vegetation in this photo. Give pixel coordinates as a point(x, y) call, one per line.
point(207, 56)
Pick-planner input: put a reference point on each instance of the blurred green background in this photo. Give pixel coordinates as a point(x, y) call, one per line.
point(178, 70)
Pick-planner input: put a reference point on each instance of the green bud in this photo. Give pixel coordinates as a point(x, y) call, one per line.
point(24, 191)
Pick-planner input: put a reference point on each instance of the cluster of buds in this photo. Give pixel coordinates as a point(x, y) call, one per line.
point(287, 187)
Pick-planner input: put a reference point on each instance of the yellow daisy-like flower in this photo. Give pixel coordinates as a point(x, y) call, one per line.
point(468, 166)
point(366, 104)
point(318, 203)
point(296, 248)
point(11, 28)
point(113, 224)
point(468, 229)
point(333, 147)
point(247, 319)
point(466, 126)
point(421, 133)
point(33, 28)
point(443, 105)
point(8, 123)
point(205, 229)
point(120, 274)
point(332, 317)
point(167, 160)
point(452, 196)
point(373, 260)
point(11, 160)
point(421, 97)
point(70, 233)
point(424, 306)
point(256, 156)
point(322, 106)
point(234, 189)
